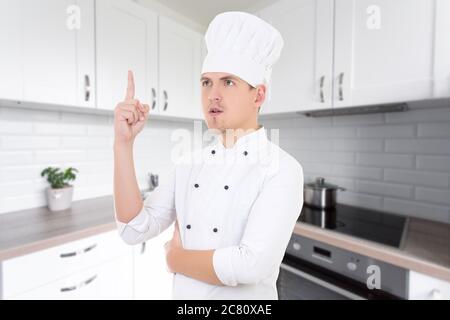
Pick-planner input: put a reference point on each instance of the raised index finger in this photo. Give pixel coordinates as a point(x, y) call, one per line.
point(130, 88)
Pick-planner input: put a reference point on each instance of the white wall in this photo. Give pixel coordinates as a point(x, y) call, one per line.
point(397, 162)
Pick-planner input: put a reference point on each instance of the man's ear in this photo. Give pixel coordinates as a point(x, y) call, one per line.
point(260, 94)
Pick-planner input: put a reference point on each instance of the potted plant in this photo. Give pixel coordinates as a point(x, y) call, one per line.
point(60, 192)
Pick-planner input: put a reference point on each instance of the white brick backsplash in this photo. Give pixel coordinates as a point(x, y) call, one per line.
point(433, 163)
point(433, 195)
point(434, 130)
point(59, 129)
point(360, 200)
point(407, 131)
point(357, 172)
point(358, 145)
point(397, 162)
point(385, 160)
point(15, 158)
point(418, 146)
point(417, 178)
point(15, 127)
point(384, 189)
point(366, 119)
point(29, 142)
point(417, 209)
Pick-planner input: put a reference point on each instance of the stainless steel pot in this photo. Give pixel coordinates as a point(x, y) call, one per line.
point(319, 194)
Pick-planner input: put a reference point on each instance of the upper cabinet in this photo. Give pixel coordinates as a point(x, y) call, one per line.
point(127, 39)
point(346, 53)
point(179, 70)
point(385, 51)
point(302, 78)
point(49, 51)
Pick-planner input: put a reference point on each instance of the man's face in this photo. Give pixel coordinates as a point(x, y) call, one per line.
point(235, 101)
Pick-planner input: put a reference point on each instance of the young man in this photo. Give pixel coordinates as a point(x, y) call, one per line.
point(235, 203)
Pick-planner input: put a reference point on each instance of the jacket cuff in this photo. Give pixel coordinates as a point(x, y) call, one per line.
point(223, 267)
point(139, 223)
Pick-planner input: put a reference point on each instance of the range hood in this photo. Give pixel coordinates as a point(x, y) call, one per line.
point(381, 108)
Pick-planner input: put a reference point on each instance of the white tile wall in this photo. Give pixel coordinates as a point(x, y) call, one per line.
point(398, 162)
point(31, 140)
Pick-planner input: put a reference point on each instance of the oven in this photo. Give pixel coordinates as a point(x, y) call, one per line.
point(313, 270)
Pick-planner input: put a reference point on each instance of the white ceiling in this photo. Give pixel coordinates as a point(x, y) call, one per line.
point(203, 11)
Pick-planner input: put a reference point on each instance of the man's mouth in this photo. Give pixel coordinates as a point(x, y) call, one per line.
point(215, 111)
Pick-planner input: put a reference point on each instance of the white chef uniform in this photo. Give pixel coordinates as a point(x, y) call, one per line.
point(242, 201)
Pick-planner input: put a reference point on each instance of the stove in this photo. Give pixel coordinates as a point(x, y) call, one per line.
point(381, 227)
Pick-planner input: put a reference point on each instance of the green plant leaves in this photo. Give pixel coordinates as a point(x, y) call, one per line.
point(59, 179)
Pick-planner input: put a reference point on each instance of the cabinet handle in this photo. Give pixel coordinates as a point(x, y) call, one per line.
point(87, 88)
point(166, 100)
point(153, 98)
point(341, 81)
point(143, 247)
point(74, 253)
point(322, 82)
point(82, 284)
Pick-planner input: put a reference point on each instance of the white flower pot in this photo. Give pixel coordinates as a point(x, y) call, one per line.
point(59, 199)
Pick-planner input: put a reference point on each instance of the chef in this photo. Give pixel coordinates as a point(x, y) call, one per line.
point(235, 202)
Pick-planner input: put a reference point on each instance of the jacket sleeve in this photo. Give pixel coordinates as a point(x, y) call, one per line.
point(269, 227)
point(157, 214)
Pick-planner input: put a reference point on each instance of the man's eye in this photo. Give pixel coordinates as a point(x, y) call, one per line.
point(229, 82)
point(205, 83)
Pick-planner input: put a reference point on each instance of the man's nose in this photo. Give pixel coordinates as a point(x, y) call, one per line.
point(214, 94)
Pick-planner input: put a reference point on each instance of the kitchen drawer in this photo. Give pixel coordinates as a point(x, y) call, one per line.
point(100, 282)
point(424, 287)
point(30, 271)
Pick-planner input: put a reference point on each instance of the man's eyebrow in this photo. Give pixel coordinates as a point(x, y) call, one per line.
point(223, 78)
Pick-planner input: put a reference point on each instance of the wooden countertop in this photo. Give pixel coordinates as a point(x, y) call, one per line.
point(426, 248)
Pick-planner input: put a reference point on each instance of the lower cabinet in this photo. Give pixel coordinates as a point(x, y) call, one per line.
point(96, 267)
point(424, 287)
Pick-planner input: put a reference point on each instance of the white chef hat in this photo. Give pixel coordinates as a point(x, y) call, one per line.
point(244, 45)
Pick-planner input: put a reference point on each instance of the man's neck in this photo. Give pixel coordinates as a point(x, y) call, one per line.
point(231, 136)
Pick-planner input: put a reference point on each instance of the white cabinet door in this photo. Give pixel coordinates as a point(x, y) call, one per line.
point(302, 78)
point(58, 51)
point(110, 280)
point(179, 70)
point(442, 50)
point(152, 281)
point(11, 53)
point(383, 51)
point(424, 287)
point(126, 40)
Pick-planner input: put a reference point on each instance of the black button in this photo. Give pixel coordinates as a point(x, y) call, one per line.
point(226, 187)
point(245, 153)
point(196, 185)
point(213, 151)
point(215, 230)
point(188, 226)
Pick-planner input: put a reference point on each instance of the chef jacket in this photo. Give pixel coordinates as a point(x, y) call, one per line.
point(241, 201)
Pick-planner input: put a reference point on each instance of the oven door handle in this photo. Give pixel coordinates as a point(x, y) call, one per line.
point(322, 283)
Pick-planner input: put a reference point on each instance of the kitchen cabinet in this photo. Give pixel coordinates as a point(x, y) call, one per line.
point(49, 51)
point(44, 273)
point(349, 53)
point(127, 36)
point(302, 77)
point(179, 70)
point(152, 281)
point(424, 287)
point(384, 51)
